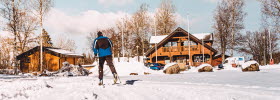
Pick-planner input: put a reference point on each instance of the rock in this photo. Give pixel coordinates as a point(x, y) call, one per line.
point(145, 73)
point(133, 74)
point(206, 69)
point(174, 69)
point(183, 67)
point(252, 67)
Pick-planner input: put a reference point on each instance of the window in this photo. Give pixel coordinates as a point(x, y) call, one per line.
point(166, 60)
point(186, 43)
point(173, 43)
point(168, 44)
point(199, 58)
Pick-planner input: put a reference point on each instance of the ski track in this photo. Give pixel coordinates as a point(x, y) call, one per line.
point(222, 85)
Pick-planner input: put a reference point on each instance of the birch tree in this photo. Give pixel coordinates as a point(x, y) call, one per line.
point(41, 8)
point(141, 27)
point(228, 18)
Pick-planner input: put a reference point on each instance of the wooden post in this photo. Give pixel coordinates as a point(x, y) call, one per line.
point(192, 63)
point(211, 54)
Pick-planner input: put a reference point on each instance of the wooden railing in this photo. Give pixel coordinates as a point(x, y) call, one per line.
point(178, 49)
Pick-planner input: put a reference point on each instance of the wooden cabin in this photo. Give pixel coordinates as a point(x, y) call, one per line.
point(52, 59)
point(175, 48)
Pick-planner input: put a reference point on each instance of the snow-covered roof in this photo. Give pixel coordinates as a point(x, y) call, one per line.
point(64, 52)
point(157, 39)
point(203, 35)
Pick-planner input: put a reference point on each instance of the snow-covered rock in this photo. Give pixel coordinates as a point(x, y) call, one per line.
point(172, 68)
point(248, 63)
point(195, 69)
point(168, 65)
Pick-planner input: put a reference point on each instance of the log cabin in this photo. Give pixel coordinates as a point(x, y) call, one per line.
point(52, 59)
point(175, 48)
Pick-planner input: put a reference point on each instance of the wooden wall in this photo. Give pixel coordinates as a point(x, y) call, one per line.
point(51, 62)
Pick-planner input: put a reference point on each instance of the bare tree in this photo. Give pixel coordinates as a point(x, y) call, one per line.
point(228, 23)
point(271, 12)
point(165, 17)
point(41, 8)
point(141, 28)
point(26, 37)
point(65, 42)
point(20, 23)
point(5, 58)
point(126, 26)
point(10, 11)
point(257, 44)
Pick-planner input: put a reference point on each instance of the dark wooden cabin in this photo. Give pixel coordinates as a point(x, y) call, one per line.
point(52, 59)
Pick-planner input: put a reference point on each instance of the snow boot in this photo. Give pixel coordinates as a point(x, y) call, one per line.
point(100, 82)
point(115, 78)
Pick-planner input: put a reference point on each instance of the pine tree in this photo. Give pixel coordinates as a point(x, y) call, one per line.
point(46, 39)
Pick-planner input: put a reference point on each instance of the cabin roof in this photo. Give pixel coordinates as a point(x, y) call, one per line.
point(205, 36)
point(64, 52)
point(180, 30)
point(54, 51)
point(220, 56)
point(157, 39)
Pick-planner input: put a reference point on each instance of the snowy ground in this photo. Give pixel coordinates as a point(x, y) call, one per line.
point(217, 85)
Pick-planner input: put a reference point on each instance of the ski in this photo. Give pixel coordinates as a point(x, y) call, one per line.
point(102, 85)
point(118, 84)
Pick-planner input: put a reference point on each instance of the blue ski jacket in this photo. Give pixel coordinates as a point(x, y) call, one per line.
point(102, 46)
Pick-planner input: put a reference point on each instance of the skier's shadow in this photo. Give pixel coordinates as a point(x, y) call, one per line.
point(130, 82)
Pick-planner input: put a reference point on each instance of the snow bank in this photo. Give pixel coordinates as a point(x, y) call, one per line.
point(248, 63)
point(276, 66)
point(125, 68)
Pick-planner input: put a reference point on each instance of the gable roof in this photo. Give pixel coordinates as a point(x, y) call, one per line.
point(54, 51)
point(157, 39)
point(205, 36)
point(179, 29)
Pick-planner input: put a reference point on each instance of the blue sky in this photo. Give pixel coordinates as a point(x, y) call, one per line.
point(76, 18)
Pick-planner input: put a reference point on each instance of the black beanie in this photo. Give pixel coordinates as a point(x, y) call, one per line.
point(99, 34)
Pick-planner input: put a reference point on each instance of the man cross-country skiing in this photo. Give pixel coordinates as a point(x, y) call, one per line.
point(102, 46)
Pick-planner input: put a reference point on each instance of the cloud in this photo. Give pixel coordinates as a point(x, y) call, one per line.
point(77, 27)
point(114, 2)
point(83, 23)
point(212, 1)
